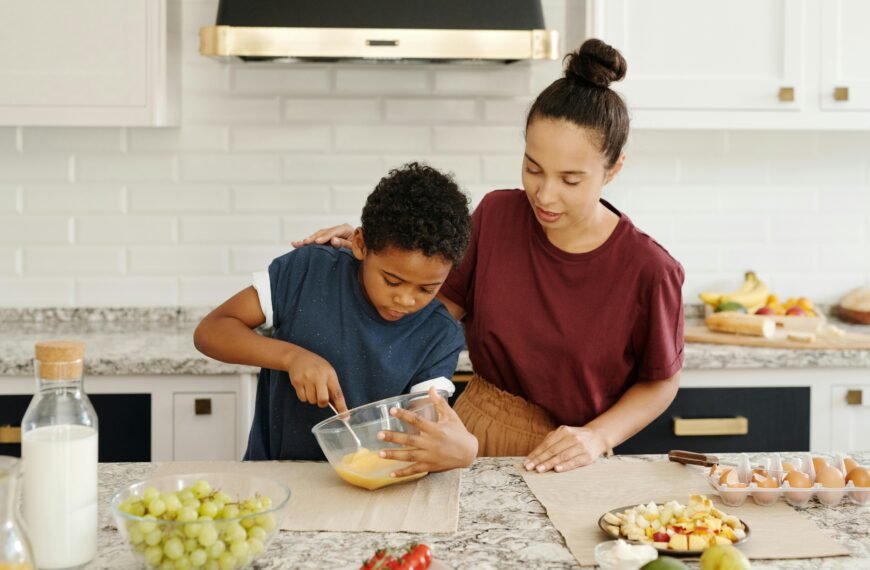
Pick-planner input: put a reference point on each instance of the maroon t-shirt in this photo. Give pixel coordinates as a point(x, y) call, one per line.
point(570, 332)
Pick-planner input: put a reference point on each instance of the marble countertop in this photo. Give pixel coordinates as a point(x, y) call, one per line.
point(159, 341)
point(501, 526)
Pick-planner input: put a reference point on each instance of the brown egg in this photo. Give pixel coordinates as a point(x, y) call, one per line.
point(729, 476)
point(830, 477)
point(818, 463)
point(734, 498)
point(761, 472)
point(763, 497)
point(859, 476)
point(798, 480)
point(850, 464)
point(788, 466)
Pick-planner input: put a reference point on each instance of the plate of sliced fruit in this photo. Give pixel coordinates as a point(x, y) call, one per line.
point(673, 528)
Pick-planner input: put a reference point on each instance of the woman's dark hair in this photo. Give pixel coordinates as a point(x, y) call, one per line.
point(417, 208)
point(584, 97)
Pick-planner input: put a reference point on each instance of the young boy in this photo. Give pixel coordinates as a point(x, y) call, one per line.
point(354, 326)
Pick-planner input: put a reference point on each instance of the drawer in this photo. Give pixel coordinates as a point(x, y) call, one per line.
point(204, 426)
point(711, 420)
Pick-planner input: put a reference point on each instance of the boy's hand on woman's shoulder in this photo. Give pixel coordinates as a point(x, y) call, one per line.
point(440, 446)
point(314, 379)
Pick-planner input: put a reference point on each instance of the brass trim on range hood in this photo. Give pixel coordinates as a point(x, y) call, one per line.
point(377, 44)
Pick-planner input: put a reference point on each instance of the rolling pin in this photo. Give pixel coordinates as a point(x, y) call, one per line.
point(737, 323)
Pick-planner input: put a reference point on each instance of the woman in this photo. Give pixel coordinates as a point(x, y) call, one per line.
point(573, 316)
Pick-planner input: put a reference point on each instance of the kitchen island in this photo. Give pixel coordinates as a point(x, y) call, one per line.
point(501, 526)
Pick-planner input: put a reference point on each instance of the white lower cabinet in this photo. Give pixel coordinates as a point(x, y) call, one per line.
point(850, 416)
point(204, 426)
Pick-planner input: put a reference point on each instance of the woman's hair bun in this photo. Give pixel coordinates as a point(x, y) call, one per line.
point(595, 62)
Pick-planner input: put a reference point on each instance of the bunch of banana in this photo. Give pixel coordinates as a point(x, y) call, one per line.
point(752, 295)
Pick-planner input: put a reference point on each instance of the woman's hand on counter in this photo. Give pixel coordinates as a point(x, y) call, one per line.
point(440, 446)
point(566, 448)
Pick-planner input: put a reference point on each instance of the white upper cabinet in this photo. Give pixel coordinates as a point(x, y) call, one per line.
point(86, 62)
point(742, 64)
point(845, 55)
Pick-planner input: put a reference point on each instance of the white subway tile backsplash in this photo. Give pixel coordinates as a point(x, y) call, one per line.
point(718, 229)
point(206, 77)
point(297, 227)
point(510, 111)
point(431, 110)
point(782, 145)
point(773, 199)
point(844, 200)
point(466, 169)
point(188, 138)
point(266, 79)
point(126, 292)
point(367, 169)
point(281, 198)
point(825, 287)
point(835, 170)
point(296, 137)
point(321, 110)
point(483, 81)
point(350, 199)
point(714, 169)
point(9, 261)
point(125, 229)
point(8, 139)
point(653, 198)
point(9, 198)
point(73, 260)
point(648, 169)
point(479, 139)
point(807, 228)
point(18, 168)
point(36, 292)
point(379, 79)
point(654, 142)
point(41, 229)
point(63, 139)
point(230, 168)
point(383, 139)
point(196, 14)
point(659, 226)
point(695, 258)
point(182, 198)
point(248, 260)
point(210, 291)
point(843, 144)
point(769, 258)
point(125, 168)
point(226, 110)
point(504, 171)
point(234, 229)
point(843, 257)
point(177, 260)
point(42, 198)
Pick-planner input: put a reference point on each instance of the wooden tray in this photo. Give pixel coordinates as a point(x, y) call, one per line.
point(850, 341)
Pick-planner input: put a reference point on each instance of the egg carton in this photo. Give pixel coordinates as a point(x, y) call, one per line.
point(768, 481)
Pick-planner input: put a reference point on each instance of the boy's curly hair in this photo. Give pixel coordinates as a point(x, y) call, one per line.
point(417, 208)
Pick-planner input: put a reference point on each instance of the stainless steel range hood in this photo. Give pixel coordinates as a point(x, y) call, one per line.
point(380, 30)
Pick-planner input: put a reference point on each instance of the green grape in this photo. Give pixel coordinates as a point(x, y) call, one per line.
point(201, 488)
point(153, 555)
point(190, 544)
point(191, 504)
point(212, 565)
point(239, 548)
point(248, 523)
point(266, 521)
point(156, 507)
point(167, 565)
point(208, 509)
point(172, 502)
point(215, 550)
point(148, 525)
point(227, 561)
point(173, 548)
point(198, 557)
point(137, 509)
point(251, 504)
point(187, 514)
point(192, 530)
point(186, 494)
point(182, 563)
point(233, 532)
point(245, 560)
point(223, 497)
point(230, 511)
point(256, 546)
point(153, 537)
point(208, 534)
point(136, 535)
point(149, 494)
point(258, 532)
point(265, 503)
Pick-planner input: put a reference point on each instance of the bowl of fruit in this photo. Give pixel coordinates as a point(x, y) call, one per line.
point(351, 445)
point(201, 520)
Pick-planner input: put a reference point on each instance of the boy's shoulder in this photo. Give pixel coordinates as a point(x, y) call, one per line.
point(323, 255)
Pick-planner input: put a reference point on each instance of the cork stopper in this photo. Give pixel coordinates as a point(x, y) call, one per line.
point(60, 359)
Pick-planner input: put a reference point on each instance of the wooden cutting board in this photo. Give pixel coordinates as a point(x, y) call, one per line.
point(851, 341)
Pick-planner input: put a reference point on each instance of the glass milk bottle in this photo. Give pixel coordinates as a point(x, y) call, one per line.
point(15, 553)
point(59, 452)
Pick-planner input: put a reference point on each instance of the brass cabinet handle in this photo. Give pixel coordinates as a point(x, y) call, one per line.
point(710, 426)
point(841, 93)
point(202, 406)
point(855, 397)
point(10, 434)
point(786, 94)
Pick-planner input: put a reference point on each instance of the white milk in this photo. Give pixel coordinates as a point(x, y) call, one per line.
point(60, 494)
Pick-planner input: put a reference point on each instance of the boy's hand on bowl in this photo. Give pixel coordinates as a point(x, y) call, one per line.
point(440, 446)
point(314, 379)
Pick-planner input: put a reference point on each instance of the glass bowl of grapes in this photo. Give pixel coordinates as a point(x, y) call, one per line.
point(201, 520)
